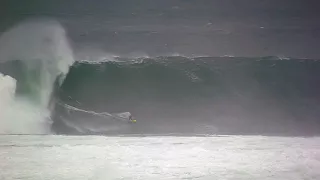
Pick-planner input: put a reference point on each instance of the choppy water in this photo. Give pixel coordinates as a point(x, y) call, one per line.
point(158, 157)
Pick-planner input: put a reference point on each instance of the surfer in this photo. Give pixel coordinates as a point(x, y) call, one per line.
point(131, 119)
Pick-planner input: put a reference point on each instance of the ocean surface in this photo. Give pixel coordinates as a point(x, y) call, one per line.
point(170, 89)
point(285, 28)
point(159, 157)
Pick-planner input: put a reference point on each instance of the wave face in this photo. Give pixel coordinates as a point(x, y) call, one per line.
point(35, 55)
point(206, 95)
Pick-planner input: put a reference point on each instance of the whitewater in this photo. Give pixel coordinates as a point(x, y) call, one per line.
point(159, 157)
point(44, 56)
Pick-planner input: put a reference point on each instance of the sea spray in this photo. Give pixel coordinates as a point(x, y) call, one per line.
point(44, 54)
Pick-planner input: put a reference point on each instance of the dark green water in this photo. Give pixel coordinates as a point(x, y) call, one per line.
point(237, 95)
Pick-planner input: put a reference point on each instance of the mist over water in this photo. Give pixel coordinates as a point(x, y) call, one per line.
point(35, 55)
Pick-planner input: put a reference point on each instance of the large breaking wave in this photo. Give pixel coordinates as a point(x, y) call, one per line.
point(42, 90)
point(202, 95)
